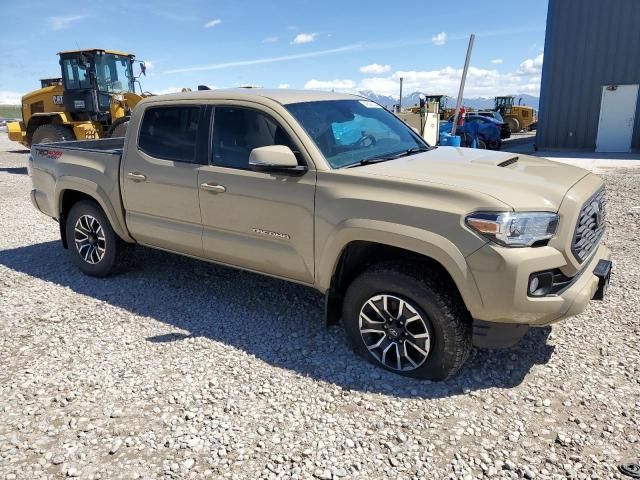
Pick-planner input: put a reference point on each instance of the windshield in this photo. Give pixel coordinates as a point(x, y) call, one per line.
point(113, 73)
point(349, 132)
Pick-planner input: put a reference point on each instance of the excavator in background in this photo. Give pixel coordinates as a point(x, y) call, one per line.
point(93, 98)
point(519, 117)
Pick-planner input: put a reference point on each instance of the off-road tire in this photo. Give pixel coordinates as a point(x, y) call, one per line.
point(120, 130)
point(436, 300)
point(514, 125)
point(52, 133)
point(117, 252)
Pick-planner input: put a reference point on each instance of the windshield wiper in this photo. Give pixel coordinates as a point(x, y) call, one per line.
point(392, 156)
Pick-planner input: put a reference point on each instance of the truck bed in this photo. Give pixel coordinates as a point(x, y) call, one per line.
point(88, 166)
point(106, 145)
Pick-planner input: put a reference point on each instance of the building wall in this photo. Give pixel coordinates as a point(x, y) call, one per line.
point(589, 43)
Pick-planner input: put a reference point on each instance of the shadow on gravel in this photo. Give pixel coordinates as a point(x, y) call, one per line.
point(278, 322)
point(21, 150)
point(15, 170)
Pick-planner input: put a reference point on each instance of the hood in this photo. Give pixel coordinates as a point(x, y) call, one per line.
point(525, 183)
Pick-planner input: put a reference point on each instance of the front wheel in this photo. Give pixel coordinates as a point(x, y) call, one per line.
point(93, 245)
point(51, 133)
point(408, 320)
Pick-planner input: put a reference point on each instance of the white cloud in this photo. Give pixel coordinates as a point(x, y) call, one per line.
point(439, 39)
point(304, 38)
point(60, 23)
point(497, 61)
point(330, 85)
point(149, 65)
point(212, 23)
point(480, 82)
point(532, 66)
point(284, 85)
point(10, 98)
point(375, 69)
point(167, 90)
point(269, 39)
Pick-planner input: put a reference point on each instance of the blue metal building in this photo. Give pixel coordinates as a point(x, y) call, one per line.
point(589, 95)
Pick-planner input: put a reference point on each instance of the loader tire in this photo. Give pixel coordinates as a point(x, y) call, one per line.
point(514, 125)
point(120, 129)
point(52, 133)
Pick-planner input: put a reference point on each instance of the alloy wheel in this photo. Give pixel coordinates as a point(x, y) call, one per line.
point(90, 239)
point(395, 332)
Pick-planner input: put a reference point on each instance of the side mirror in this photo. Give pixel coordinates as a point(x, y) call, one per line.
point(275, 158)
point(143, 69)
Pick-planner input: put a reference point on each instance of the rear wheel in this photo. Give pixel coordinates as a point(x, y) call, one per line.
point(52, 133)
point(514, 125)
point(120, 129)
point(408, 320)
point(94, 246)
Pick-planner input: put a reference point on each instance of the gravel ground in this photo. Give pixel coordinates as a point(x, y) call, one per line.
point(184, 369)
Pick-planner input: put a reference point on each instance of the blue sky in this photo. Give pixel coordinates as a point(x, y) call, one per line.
point(329, 44)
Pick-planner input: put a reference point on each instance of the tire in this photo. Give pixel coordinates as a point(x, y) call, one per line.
point(93, 245)
point(120, 129)
point(52, 133)
point(425, 293)
point(482, 145)
point(514, 125)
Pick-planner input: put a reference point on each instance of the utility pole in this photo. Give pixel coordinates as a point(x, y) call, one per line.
point(400, 101)
point(462, 82)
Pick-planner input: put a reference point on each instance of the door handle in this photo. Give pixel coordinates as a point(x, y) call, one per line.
point(137, 176)
point(212, 187)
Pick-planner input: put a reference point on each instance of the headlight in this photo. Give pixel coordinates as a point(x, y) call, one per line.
point(513, 229)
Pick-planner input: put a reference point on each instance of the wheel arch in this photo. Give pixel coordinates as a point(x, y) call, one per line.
point(360, 248)
point(39, 119)
point(69, 193)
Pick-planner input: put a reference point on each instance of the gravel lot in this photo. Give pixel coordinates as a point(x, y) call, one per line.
point(184, 369)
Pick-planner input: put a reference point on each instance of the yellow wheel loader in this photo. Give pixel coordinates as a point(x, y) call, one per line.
point(92, 99)
point(519, 117)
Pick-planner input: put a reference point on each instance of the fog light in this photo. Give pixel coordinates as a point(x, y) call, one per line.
point(540, 284)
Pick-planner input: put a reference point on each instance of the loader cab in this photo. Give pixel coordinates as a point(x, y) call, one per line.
point(504, 105)
point(91, 77)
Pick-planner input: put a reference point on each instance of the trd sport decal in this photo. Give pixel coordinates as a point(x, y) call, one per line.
point(52, 154)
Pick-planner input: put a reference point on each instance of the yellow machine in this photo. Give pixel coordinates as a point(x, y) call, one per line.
point(445, 112)
point(519, 117)
point(92, 99)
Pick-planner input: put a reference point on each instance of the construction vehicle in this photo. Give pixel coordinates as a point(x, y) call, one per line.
point(441, 100)
point(92, 99)
point(519, 117)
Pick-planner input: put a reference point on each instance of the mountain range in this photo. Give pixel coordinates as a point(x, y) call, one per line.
point(477, 103)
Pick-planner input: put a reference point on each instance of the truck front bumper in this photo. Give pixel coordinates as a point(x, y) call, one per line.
point(503, 275)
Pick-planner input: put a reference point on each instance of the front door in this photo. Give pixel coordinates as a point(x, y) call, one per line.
point(255, 220)
point(617, 117)
point(160, 180)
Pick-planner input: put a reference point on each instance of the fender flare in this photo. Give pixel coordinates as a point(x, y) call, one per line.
point(96, 192)
point(413, 239)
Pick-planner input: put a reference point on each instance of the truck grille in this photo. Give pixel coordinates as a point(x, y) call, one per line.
point(590, 227)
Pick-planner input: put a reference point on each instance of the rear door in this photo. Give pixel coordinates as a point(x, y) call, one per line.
point(160, 178)
point(261, 221)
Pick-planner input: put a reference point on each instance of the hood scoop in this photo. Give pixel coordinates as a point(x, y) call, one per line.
point(508, 162)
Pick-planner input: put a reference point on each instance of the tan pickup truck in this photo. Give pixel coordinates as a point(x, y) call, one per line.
point(421, 251)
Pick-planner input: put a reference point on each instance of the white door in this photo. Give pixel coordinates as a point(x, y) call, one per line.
point(617, 117)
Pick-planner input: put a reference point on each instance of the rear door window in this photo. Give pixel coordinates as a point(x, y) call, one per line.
point(170, 133)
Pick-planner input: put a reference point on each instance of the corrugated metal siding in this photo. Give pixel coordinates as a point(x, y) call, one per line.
point(589, 43)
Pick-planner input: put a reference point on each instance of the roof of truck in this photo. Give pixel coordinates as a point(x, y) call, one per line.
point(283, 96)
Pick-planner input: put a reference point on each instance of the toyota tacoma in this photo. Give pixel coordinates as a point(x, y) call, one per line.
point(420, 251)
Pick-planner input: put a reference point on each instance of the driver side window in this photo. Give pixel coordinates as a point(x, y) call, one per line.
point(348, 133)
